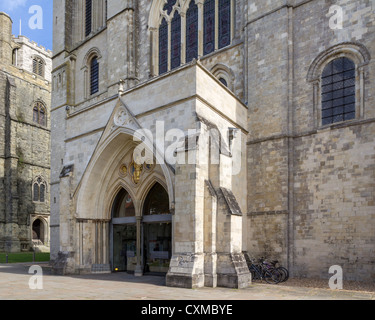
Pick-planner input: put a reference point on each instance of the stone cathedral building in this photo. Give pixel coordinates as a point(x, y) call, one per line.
point(25, 101)
point(187, 132)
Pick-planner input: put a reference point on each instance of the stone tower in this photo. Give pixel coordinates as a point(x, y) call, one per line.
point(25, 95)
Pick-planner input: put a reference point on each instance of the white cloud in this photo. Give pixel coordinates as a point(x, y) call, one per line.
point(12, 4)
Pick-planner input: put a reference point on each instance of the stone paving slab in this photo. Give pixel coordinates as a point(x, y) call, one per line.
point(14, 285)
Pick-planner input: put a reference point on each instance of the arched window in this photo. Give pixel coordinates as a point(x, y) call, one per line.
point(174, 46)
point(39, 114)
point(192, 32)
point(163, 47)
point(94, 75)
point(14, 57)
point(224, 23)
point(157, 201)
point(338, 91)
point(38, 66)
point(123, 205)
point(209, 26)
point(88, 17)
point(223, 81)
point(39, 190)
point(169, 6)
point(176, 41)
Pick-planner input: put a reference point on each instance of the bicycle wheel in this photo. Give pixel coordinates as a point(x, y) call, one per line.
point(285, 274)
point(272, 276)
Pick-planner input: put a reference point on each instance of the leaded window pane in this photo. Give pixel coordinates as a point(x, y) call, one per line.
point(192, 32)
point(338, 91)
point(42, 193)
point(224, 23)
point(36, 192)
point(88, 25)
point(163, 47)
point(176, 41)
point(94, 76)
point(169, 6)
point(209, 26)
point(36, 114)
point(224, 82)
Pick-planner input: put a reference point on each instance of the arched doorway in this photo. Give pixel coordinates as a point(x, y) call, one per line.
point(124, 233)
point(141, 240)
point(157, 231)
point(38, 231)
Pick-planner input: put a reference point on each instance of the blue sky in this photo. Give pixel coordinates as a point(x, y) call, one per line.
point(36, 21)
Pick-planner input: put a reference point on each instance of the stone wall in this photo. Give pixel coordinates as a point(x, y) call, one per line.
point(311, 199)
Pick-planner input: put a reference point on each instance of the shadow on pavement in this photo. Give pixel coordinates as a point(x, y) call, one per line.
point(23, 269)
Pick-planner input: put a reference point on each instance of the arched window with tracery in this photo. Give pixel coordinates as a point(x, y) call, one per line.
point(39, 190)
point(176, 27)
point(39, 114)
point(192, 32)
point(169, 6)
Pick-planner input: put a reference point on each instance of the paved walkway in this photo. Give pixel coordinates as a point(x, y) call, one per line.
point(14, 285)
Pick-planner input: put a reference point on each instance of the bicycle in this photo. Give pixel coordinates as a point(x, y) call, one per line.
point(261, 272)
point(272, 265)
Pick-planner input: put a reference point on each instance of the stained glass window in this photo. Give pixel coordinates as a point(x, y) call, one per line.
point(192, 32)
point(224, 23)
point(209, 26)
point(338, 91)
point(163, 47)
point(169, 6)
point(94, 76)
point(88, 25)
point(176, 41)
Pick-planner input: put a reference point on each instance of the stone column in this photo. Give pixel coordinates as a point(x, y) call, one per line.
point(187, 263)
point(131, 50)
point(200, 27)
point(210, 218)
point(232, 269)
point(66, 260)
point(138, 269)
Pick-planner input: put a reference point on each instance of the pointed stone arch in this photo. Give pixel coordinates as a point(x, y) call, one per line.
point(117, 140)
